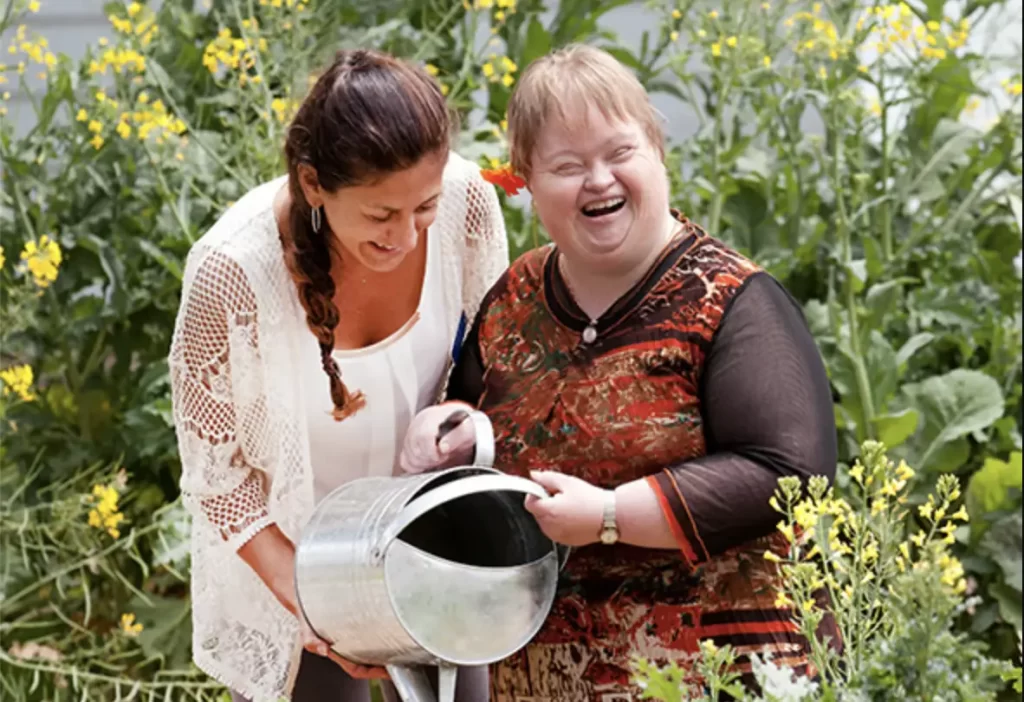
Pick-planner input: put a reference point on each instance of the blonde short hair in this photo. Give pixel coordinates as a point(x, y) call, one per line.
point(575, 76)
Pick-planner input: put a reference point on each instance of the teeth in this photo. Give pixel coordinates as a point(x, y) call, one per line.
point(604, 204)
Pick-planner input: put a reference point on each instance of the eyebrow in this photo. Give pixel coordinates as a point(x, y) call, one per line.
point(569, 152)
point(389, 209)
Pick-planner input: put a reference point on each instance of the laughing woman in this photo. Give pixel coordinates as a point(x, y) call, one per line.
point(655, 381)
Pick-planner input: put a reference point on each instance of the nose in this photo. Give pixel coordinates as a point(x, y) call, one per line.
point(404, 235)
point(599, 177)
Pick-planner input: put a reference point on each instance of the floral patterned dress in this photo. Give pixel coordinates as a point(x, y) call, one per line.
point(703, 380)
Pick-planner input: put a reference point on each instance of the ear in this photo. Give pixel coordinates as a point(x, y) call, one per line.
point(310, 184)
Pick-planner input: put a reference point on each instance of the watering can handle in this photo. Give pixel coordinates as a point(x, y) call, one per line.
point(483, 433)
point(449, 491)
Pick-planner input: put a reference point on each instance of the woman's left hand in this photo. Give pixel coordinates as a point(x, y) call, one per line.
point(573, 514)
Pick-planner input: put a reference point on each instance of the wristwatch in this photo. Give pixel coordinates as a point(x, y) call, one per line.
point(609, 529)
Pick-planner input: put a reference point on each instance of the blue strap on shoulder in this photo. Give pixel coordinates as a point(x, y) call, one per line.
point(460, 334)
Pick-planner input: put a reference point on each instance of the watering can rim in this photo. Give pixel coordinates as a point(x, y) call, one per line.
point(420, 505)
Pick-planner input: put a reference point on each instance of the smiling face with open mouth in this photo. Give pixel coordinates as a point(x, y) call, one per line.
point(600, 189)
point(379, 223)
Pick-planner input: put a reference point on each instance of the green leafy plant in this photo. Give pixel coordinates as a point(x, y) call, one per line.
point(895, 592)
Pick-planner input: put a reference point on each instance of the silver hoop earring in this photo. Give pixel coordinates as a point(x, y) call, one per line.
point(316, 219)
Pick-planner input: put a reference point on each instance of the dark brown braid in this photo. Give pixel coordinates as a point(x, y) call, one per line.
point(368, 115)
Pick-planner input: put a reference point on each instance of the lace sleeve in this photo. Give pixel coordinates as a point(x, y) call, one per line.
point(486, 243)
point(218, 401)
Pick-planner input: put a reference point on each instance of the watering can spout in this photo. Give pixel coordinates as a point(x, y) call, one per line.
point(413, 685)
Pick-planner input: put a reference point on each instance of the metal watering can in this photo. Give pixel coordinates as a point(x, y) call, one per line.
point(440, 569)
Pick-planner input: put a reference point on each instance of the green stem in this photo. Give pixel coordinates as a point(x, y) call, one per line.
point(169, 196)
point(96, 677)
point(83, 562)
point(953, 218)
point(243, 181)
point(843, 231)
point(886, 215)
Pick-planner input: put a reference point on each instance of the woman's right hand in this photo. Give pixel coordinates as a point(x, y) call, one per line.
point(422, 451)
point(272, 556)
point(314, 644)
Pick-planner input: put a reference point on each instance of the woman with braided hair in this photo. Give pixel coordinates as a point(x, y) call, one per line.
point(319, 314)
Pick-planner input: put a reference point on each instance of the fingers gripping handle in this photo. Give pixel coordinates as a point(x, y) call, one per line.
point(483, 453)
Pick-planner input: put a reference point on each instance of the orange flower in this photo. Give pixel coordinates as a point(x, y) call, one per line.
point(504, 177)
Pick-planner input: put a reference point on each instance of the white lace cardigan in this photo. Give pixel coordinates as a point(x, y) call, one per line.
point(239, 416)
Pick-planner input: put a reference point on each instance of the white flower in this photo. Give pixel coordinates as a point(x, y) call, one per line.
point(781, 684)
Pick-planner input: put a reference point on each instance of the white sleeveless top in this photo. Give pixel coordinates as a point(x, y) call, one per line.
point(399, 376)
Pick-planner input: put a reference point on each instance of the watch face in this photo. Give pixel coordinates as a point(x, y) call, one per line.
point(608, 536)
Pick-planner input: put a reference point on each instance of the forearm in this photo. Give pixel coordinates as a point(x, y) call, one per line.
point(272, 557)
point(639, 517)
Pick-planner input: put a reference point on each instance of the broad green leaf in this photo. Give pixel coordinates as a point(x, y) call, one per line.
point(167, 628)
point(1003, 544)
point(858, 272)
point(989, 489)
point(913, 345)
point(953, 406)
point(883, 369)
point(872, 256)
point(881, 298)
point(1010, 608)
point(894, 429)
point(538, 42)
point(153, 251)
point(952, 140)
point(1015, 207)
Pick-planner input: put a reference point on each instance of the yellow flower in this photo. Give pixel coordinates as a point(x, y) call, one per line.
point(1014, 88)
point(816, 8)
point(483, 4)
point(673, 36)
point(767, 61)
point(731, 42)
point(772, 556)
point(766, 6)
point(822, 73)
point(507, 80)
point(124, 130)
point(676, 14)
point(961, 514)
point(926, 509)
point(33, 6)
point(42, 259)
point(713, 14)
point(716, 49)
point(97, 142)
point(129, 626)
point(82, 115)
point(95, 126)
point(782, 601)
point(488, 69)
point(857, 473)
point(18, 379)
point(508, 65)
point(431, 69)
